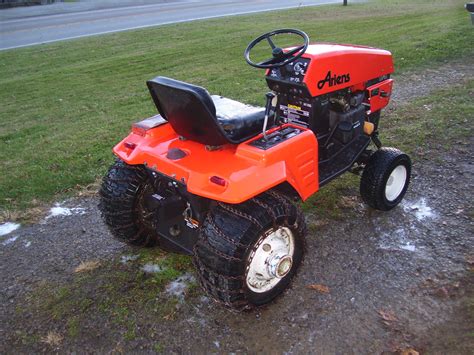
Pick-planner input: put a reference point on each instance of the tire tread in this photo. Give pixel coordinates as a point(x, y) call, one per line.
point(118, 198)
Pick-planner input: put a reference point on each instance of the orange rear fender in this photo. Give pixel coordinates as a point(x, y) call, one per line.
point(244, 170)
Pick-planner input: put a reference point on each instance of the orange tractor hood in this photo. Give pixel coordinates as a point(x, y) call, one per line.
point(338, 65)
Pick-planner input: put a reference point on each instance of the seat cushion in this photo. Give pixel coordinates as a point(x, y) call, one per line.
point(239, 121)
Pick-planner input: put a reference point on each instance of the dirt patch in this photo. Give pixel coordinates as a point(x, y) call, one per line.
point(371, 282)
point(420, 83)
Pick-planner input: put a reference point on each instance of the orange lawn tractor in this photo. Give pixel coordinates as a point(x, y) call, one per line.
point(218, 179)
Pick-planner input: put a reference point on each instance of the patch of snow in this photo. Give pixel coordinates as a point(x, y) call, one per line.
point(126, 258)
point(7, 228)
point(27, 244)
point(217, 344)
point(151, 268)
point(420, 208)
point(179, 286)
point(10, 240)
point(58, 210)
point(408, 246)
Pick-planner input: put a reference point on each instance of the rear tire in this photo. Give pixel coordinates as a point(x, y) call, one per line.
point(247, 254)
point(122, 204)
point(385, 178)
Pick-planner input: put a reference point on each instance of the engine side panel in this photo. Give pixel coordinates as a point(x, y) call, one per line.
point(379, 95)
point(246, 169)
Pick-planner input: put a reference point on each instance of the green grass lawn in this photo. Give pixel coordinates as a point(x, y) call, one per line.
point(64, 105)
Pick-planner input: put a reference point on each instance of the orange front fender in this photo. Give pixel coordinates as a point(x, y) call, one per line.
point(246, 170)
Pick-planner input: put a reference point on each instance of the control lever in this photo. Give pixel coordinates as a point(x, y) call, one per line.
point(268, 108)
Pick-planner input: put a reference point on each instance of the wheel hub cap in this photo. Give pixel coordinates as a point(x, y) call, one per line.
point(271, 260)
point(395, 183)
point(280, 266)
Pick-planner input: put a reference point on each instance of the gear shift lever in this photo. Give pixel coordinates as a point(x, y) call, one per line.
point(268, 108)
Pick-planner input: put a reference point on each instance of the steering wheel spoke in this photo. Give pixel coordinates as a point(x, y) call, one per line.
point(269, 39)
point(269, 61)
point(280, 58)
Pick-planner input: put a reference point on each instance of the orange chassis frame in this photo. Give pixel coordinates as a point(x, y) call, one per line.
point(246, 170)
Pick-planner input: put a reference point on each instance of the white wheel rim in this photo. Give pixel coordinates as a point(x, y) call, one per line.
point(395, 183)
point(271, 260)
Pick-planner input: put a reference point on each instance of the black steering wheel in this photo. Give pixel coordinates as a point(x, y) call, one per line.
point(279, 57)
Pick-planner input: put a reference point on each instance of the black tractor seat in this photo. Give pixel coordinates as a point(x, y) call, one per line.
point(238, 120)
point(197, 116)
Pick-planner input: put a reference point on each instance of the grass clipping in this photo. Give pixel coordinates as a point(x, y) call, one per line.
point(87, 266)
point(52, 339)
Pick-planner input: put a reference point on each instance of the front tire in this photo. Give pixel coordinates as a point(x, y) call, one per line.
point(247, 254)
point(385, 178)
point(122, 204)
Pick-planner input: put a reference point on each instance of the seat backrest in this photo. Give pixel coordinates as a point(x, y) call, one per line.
point(189, 109)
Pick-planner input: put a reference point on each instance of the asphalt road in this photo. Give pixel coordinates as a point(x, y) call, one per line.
point(20, 27)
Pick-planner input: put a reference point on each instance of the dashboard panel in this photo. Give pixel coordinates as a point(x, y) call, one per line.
point(293, 72)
